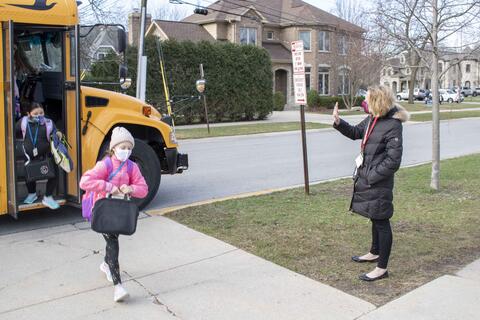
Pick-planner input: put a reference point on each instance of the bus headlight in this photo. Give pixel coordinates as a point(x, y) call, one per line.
point(173, 138)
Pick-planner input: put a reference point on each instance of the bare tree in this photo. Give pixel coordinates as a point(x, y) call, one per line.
point(397, 19)
point(101, 11)
point(356, 69)
point(171, 13)
point(437, 21)
point(352, 11)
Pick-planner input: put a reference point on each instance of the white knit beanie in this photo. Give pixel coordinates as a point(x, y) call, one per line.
point(120, 135)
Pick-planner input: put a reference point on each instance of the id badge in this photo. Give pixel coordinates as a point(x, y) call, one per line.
point(359, 160)
point(35, 152)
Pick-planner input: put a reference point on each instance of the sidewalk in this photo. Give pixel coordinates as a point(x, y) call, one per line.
point(445, 298)
point(173, 272)
point(294, 116)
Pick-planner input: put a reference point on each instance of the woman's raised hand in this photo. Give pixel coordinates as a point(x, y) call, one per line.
point(336, 117)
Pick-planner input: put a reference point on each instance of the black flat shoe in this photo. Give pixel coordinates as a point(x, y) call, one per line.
point(357, 259)
point(364, 277)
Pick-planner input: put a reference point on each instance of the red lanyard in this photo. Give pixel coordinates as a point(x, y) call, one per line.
point(369, 132)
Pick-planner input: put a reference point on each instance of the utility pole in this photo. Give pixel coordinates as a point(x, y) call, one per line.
point(141, 66)
point(435, 180)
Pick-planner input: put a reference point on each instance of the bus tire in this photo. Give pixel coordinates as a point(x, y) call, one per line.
point(146, 159)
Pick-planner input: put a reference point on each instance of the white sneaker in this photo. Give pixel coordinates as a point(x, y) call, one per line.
point(105, 269)
point(120, 294)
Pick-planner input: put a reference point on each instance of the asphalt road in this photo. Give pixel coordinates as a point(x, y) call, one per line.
point(221, 167)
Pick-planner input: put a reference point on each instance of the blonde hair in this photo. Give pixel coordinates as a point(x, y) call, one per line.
point(380, 100)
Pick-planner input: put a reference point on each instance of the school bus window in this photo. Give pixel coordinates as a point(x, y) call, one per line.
point(72, 53)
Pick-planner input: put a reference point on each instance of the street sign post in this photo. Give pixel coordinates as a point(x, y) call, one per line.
point(299, 87)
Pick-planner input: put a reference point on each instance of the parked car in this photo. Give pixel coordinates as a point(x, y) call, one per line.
point(418, 94)
point(361, 93)
point(450, 96)
point(466, 91)
point(476, 92)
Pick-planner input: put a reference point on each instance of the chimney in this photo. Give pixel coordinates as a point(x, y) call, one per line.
point(134, 26)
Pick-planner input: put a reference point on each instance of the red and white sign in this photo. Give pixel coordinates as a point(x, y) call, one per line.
point(298, 62)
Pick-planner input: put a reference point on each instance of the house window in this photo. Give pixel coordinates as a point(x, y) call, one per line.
point(305, 36)
point(440, 67)
point(248, 36)
point(270, 35)
point(100, 56)
point(308, 72)
point(467, 68)
point(323, 80)
point(344, 82)
point(323, 41)
point(342, 45)
point(467, 84)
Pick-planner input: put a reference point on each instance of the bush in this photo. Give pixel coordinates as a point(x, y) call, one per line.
point(312, 99)
point(278, 101)
point(315, 101)
point(239, 79)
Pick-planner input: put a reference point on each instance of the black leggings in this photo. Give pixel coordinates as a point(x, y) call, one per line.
point(111, 256)
point(51, 185)
point(381, 241)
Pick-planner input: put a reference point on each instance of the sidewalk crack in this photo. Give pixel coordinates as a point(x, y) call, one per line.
point(154, 297)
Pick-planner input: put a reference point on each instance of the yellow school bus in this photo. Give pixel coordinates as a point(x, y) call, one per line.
point(47, 34)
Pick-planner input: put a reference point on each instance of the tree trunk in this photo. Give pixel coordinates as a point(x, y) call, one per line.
point(435, 179)
point(411, 84)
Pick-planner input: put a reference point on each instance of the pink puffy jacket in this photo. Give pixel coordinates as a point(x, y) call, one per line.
point(96, 180)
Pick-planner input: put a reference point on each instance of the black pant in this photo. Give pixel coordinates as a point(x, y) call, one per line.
point(381, 241)
point(111, 256)
point(51, 185)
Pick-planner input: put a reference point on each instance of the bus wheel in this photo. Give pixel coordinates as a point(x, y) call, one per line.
point(146, 159)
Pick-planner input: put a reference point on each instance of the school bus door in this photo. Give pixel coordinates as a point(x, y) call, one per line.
point(8, 184)
point(73, 111)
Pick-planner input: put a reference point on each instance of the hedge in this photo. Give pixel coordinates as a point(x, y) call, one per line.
point(239, 79)
point(315, 101)
point(278, 101)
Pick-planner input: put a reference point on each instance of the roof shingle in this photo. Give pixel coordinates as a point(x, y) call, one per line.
point(182, 31)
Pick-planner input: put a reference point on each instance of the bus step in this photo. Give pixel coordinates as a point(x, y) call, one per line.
point(38, 205)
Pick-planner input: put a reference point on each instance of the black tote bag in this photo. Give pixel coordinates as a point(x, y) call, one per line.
point(115, 216)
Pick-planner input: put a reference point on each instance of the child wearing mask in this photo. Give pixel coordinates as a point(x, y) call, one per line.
point(115, 175)
point(36, 129)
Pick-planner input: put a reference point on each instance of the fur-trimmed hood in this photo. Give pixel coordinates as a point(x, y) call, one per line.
point(399, 112)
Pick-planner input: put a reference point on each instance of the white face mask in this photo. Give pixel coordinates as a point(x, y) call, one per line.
point(122, 155)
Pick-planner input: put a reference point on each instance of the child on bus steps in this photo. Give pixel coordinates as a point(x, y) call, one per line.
point(115, 175)
point(35, 130)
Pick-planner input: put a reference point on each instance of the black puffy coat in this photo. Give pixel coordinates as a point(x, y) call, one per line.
point(373, 186)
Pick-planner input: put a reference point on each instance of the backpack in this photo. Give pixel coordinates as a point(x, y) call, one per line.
point(58, 147)
point(87, 201)
point(48, 124)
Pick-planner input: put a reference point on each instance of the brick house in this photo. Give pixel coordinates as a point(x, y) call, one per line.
point(273, 25)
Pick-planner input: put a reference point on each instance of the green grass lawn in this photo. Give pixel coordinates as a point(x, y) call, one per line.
point(473, 99)
point(241, 129)
point(445, 115)
point(443, 106)
point(435, 233)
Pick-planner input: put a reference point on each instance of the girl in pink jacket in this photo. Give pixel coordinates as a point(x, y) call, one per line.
point(127, 180)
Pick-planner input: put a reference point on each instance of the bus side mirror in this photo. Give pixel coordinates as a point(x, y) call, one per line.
point(122, 40)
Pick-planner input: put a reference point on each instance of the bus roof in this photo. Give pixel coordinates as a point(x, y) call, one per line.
point(44, 12)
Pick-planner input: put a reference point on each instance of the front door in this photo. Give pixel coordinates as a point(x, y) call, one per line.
point(9, 108)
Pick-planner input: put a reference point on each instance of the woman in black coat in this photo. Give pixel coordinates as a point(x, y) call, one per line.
point(380, 157)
